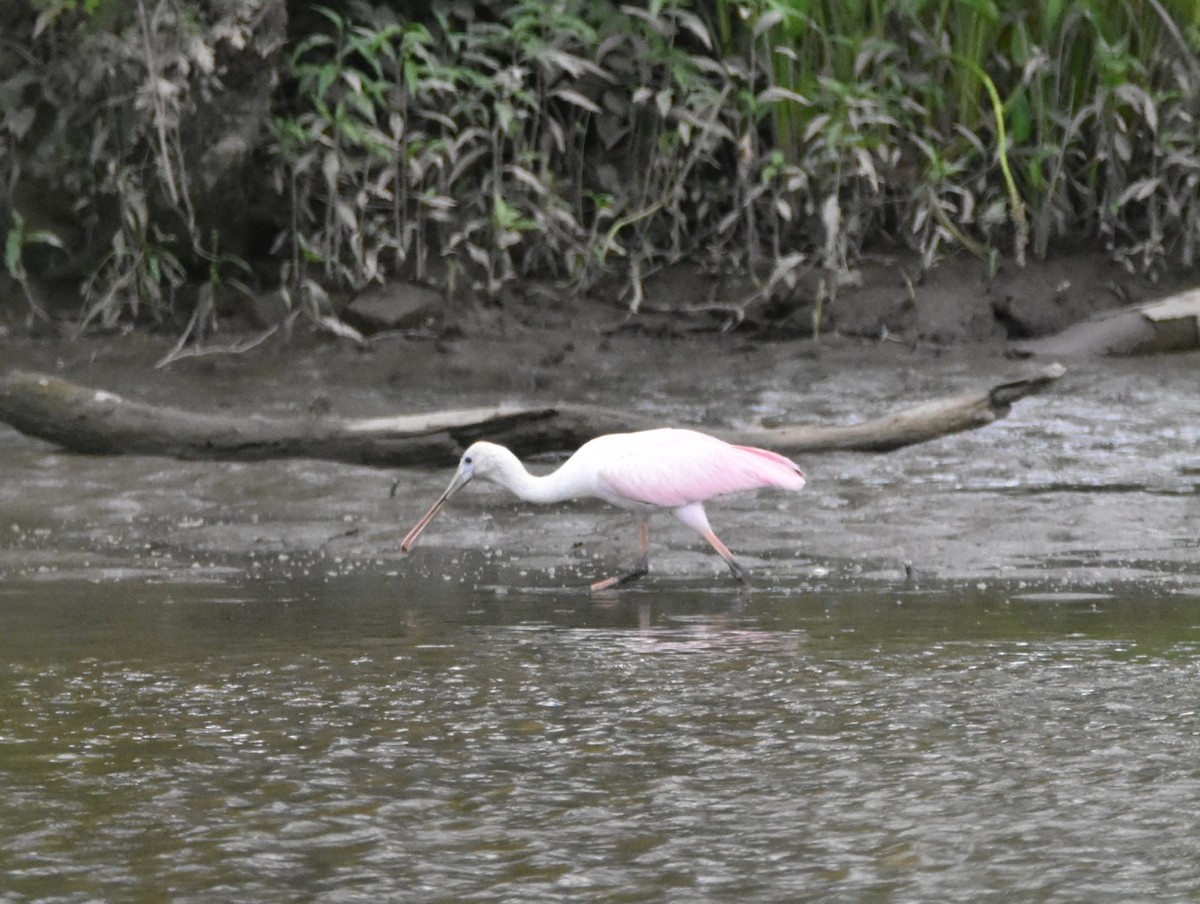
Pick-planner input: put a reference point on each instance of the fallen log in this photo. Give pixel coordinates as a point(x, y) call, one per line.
point(88, 420)
point(1170, 324)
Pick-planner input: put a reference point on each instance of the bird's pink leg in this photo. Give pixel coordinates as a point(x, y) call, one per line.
point(693, 516)
point(723, 551)
point(642, 566)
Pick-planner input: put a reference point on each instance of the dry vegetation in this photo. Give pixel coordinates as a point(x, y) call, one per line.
point(481, 143)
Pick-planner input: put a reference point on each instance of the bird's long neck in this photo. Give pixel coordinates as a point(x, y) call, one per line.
point(510, 473)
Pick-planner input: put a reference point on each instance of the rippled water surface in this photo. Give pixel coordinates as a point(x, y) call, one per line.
point(338, 740)
point(969, 671)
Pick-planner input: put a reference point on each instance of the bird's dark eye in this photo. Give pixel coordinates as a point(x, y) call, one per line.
point(467, 460)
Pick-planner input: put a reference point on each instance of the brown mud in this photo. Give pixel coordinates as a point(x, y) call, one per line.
point(1092, 486)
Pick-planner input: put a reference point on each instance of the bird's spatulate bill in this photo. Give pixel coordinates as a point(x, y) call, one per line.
point(411, 538)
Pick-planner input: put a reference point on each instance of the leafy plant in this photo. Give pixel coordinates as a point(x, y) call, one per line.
point(97, 107)
point(483, 143)
point(18, 239)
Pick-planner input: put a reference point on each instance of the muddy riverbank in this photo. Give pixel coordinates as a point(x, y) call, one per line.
point(1094, 483)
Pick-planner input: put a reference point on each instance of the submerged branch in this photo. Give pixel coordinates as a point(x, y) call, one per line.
point(82, 419)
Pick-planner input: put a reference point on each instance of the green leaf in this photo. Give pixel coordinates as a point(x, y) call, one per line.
point(12, 250)
point(1020, 119)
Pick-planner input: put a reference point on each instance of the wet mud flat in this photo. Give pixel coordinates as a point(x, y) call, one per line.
point(1092, 485)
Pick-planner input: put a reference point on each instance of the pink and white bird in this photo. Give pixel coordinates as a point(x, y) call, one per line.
point(647, 471)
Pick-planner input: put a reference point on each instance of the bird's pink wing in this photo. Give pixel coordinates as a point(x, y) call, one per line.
point(671, 468)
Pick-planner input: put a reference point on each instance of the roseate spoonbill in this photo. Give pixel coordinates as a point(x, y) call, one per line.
point(647, 471)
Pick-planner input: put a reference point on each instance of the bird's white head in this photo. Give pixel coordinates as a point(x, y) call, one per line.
point(481, 459)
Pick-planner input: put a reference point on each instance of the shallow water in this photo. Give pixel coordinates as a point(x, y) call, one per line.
point(344, 739)
point(968, 670)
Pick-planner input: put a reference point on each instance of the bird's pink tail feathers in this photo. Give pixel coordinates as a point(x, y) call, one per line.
point(779, 471)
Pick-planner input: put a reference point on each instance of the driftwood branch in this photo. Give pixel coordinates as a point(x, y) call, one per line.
point(83, 419)
point(1170, 324)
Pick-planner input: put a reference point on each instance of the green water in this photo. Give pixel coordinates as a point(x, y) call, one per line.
point(368, 739)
